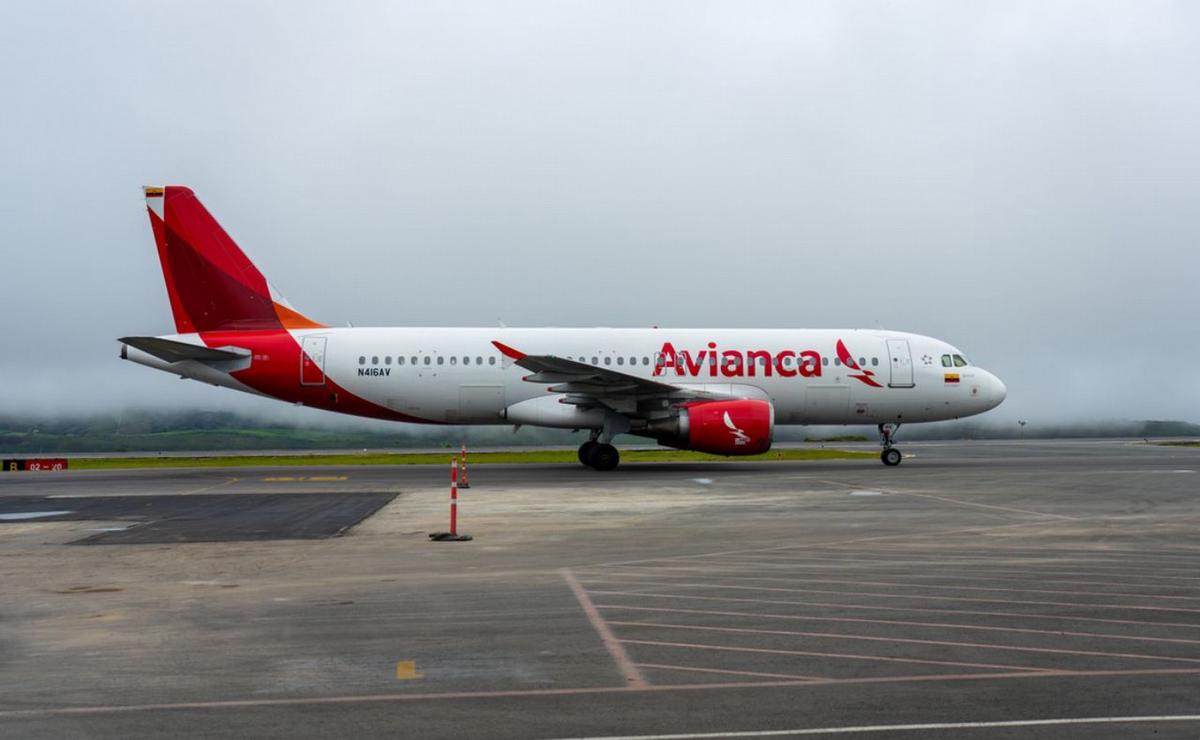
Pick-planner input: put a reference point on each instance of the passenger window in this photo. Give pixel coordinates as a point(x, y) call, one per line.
point(414, 359)
point(478, 360)
point(837, 362)
point(875, 361)
point(426, 359)
point(375, 360)
point(362, 360)
point(620, 360)
point(607, 360)
point(959, 361)
point(946, 361)
point(632, 360)
point(645, 360)
point(862, 362)
point(825, 361)
point(453, 360)
point(399, 360)
point(441, 360)
point(491, 360)
point(595, 361)
point(387, 360)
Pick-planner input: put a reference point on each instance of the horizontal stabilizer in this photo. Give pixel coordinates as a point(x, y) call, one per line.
point(168, 350)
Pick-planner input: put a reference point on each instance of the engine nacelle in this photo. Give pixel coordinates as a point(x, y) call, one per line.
point(738, 427)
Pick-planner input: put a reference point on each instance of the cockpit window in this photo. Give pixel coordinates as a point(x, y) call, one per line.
point(946, 362)
point(959, 361)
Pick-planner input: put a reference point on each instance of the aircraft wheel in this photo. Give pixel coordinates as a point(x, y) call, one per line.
point(585, 451)
point(891, 456)
point(604, 457)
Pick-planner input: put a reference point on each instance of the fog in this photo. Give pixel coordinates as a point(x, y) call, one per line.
point(1019, 179)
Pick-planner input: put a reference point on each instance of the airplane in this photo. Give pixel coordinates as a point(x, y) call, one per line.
point(718, 391)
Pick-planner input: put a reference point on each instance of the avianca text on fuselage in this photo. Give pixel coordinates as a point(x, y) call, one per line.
point(734, 363)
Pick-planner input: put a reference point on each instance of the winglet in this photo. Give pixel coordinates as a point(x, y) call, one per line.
point(509, 351)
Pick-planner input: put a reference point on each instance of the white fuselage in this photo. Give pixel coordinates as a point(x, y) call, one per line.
point(458, 376)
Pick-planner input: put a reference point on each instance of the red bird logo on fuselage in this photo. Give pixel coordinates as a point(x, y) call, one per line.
point(864, 374)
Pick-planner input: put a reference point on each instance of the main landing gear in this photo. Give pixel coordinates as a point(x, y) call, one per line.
point(599, 455)
point(598, 451)
point(890, 455)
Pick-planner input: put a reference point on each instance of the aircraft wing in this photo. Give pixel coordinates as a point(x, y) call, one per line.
point(590, 386)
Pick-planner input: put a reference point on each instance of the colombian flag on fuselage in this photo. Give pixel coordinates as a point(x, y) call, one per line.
point(951, 377)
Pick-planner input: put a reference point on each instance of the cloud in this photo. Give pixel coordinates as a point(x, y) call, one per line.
point(1015, 178)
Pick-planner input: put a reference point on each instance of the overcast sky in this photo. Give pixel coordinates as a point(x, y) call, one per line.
point(1019, 179)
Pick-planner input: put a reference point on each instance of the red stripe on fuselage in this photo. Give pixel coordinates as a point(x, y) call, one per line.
point(275, 371)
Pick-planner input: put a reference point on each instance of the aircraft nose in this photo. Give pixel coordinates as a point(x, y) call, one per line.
point(997, 390)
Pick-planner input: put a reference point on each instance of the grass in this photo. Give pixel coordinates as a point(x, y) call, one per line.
point(439, 458)
point(1181, 443)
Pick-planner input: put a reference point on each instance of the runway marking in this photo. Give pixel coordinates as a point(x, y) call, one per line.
point(695, 669)
point(633, 676)
point(742, 573)
point(305, 478)
point(222, 484)
point(942, 643)
point(843, 656)
point(1009, 509)
point(1098, 556)
point(900, 622)
point(997, 559)
point(924, 597)
point(831, 543)
point(580, 691)
point(778, 563)
point(25, 515)
point(903, 728)
point(895, 584)
point(943, 551)
point(930, 610)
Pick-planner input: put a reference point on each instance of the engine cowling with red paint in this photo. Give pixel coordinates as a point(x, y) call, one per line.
point(736, 427)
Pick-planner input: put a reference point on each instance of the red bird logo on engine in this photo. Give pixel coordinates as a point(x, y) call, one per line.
point(739, 435)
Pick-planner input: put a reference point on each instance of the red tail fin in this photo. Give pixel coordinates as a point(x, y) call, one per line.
point(212, 284)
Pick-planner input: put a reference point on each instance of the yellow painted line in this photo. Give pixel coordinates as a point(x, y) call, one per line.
point(327, 477)
point(407, 669)
point(277, 479)
point(310, 478)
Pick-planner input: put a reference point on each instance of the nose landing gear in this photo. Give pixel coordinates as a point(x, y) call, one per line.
point(890, 455)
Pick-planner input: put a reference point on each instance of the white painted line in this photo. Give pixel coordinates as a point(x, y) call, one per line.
point(633, 676)
point(902, 728)
point(703, 481)
point(866, 493)
point(22, 516)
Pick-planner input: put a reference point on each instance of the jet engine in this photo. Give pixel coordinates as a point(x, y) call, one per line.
point(737, 427)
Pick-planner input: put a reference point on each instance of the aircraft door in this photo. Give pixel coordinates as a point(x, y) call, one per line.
point(900, 361)
point(312, 361)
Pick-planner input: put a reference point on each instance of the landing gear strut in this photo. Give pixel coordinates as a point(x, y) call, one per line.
point(890, 455)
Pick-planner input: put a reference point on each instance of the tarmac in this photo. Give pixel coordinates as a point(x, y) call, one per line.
point(980, 589)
